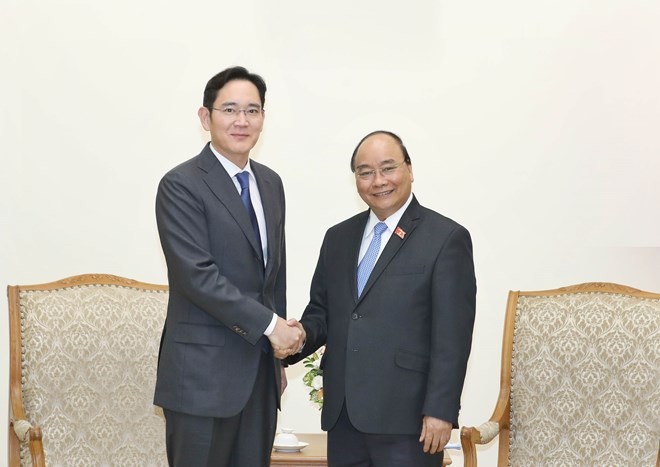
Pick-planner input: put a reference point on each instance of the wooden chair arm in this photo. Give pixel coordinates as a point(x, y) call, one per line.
point(471, 436)
point(469, 439)
point(25, 432)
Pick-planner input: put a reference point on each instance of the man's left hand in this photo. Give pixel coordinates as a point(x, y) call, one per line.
point(435, 434)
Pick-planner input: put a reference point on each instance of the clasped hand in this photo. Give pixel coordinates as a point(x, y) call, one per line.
point(287, 338)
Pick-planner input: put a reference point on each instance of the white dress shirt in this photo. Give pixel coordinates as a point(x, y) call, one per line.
point(392, 222)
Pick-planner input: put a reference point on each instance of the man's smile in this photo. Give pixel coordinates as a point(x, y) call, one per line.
point(382, 194)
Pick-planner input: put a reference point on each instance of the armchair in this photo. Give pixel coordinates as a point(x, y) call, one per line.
point(83, 355)
point(580, 380)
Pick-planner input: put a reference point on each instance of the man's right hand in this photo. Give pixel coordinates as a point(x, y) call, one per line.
point(287, 338)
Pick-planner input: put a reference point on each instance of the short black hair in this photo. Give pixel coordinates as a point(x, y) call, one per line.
point(231, 74)
point(395, 137)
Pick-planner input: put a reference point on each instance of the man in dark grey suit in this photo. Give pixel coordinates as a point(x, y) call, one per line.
point(221, 223)
point(393, 299)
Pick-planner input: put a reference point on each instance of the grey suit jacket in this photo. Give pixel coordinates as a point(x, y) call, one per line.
point(401, 350)
point(221, 296)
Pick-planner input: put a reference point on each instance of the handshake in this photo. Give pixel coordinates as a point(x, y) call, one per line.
point(287, 338)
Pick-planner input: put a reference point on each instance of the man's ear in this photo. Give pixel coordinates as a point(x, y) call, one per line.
point(204, 118)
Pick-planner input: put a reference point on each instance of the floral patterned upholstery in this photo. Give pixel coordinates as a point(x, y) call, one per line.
point(584, 378)
point(88, 369)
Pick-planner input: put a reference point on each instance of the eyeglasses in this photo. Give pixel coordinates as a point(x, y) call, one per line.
point(368, 174)
point(230, 112)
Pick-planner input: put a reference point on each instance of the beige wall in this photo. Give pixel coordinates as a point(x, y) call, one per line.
point(535, 124)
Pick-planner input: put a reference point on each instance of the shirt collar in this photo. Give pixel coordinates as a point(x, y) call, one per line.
point(392, 221)
point(231, 168)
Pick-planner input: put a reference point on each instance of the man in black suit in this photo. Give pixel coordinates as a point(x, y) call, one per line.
point(220, 219)
point(397, 336)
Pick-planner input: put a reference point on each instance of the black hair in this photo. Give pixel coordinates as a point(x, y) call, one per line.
point(231, 74)
point(395, 137)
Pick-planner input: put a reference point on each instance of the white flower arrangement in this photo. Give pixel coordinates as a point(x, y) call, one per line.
point(314, 377)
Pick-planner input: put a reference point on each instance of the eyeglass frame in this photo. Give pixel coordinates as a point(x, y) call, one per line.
point(385, 172)
point(228, 112)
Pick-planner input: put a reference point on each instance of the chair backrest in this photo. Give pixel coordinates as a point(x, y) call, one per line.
point(584, 366)
point(83, 368)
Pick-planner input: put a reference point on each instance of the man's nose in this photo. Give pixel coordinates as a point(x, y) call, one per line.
point(379, 178)
point(241, 119)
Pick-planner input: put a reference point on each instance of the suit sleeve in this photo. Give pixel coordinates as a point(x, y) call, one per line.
point(314, 318)
point(185, 239)
point(280, 281)
point(453, 298)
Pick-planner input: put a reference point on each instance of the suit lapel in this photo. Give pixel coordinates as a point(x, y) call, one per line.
point(218, 180)
point(269, 201)
point(407, 225)
point(354, 240)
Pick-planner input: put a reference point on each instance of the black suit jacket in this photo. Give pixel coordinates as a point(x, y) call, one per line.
point(401, 350)
point(221, 296)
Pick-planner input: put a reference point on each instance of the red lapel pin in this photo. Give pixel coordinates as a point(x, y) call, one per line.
point(399, 231)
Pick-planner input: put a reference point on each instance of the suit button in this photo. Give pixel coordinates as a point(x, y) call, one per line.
point(355, 316)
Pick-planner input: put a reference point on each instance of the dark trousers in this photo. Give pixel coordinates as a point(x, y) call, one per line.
point(245, 440)
point(348, 447)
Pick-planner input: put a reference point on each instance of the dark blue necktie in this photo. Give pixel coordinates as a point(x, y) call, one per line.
point(244, 180)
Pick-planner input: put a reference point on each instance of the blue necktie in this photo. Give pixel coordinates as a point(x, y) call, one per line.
point(369, 259)
point(244, 180)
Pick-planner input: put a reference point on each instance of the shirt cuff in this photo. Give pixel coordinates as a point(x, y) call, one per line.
point(271, 327)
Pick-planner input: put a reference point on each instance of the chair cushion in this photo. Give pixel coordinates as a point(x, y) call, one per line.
point(585, 385)
point(89, 370)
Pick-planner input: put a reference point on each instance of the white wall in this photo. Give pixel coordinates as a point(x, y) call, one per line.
point(535, 124)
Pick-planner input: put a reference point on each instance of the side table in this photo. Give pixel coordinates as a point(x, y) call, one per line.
point(313, 455)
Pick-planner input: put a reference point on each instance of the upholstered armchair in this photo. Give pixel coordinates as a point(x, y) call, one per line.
point(83, 355)
point(580, 380)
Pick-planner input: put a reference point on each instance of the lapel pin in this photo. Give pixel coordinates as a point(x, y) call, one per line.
point(399, 231)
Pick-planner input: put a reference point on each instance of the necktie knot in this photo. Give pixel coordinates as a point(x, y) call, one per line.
point(243, 180)
point(380, 228)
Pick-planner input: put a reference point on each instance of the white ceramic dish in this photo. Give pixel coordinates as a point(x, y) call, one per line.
point(291, 448)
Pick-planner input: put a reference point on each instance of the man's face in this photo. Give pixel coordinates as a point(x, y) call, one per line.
point(384, 192)
point(234, 134)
